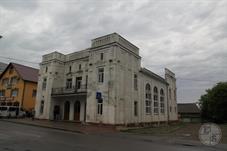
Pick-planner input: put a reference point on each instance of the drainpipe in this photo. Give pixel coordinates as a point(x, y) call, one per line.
point(22, 101)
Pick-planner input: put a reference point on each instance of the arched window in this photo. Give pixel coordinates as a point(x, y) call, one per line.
point(148, 98)
point(162, 102)
point(156, 106)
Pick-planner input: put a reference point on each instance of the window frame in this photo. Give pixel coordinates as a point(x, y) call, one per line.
point(148, 99)
point(156, 100)
point(101, 75)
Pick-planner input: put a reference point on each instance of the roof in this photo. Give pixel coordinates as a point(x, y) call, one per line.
point(26, 73)
point(153, 75)
point(188, 108)
point(2, 67)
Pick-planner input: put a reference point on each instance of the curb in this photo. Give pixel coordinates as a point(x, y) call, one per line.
point(44, 126)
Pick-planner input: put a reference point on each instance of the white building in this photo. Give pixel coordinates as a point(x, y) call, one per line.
point(104, 84)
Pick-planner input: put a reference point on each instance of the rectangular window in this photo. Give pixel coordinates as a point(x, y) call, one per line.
point(14, 92)
point(101, 75)
point(69, 83)
point(101, 56)
point(5, 81)
point(170, 109)
point(13, 80)
point(41, 107)
point(79, 66)
point(135, 108)
point(78, 82)
point(2, 93)
point(34, 93)
point(100, 106)
point(135, 82)
point(44, 84)
point(70, 69)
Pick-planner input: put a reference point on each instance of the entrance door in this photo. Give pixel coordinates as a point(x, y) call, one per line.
point(77, 111)
point(66, 110)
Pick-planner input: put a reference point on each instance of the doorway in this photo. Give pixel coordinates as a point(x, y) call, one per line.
point(77, 111)
point(66, 110)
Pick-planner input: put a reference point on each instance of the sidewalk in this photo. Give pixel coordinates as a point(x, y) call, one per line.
point(66, 126)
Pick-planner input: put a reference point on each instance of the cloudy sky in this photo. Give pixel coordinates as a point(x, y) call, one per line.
point(187, 36)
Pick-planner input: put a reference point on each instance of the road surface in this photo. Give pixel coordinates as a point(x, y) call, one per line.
point(18, 137)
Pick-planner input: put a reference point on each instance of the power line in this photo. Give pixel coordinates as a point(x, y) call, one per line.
point(9, 58)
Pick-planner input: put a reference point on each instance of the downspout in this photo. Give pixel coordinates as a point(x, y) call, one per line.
point(167, 104)
point(22, 101)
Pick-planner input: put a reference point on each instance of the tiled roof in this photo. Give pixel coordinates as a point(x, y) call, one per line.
point(188, 108)
point(26, 73)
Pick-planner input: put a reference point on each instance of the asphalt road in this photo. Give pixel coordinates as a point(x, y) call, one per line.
point(17, 137)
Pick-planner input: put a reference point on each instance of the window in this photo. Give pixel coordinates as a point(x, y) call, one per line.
point(135, 108)
point(79, 66)
point(175, 108)
point(5, 81)
point(34, 93)
point(69, 83)
point(175, 95)
point(41, 107)
point(101, 75)
point(156, 106)
point(44, 84)
point(2, 93)
point(135, 82)
point(100, 106)
point(13, 80)
point(148, 99)
point(46, 69)
point(70, 68)
point(162, 101)
point(78, 82)
point(101, 56)
point(170, 109)
point(14, 92)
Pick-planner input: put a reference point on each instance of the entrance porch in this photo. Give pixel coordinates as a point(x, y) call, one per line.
point(72, 108)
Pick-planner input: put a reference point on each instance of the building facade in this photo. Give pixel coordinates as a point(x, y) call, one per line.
point(18, 86)
point(104, 84)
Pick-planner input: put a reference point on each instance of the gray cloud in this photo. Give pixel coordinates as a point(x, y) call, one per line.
point(189, 37)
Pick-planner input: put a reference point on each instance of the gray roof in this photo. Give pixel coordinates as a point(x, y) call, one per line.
point(153, 75)
point(188, 108)
point(2, 67)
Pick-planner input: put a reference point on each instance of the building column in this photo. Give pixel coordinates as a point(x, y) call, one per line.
point(71, 111)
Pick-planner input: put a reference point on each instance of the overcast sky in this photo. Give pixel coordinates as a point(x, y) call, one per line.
point(187, 36)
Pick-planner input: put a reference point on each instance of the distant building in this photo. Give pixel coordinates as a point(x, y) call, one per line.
point(18, 86)
point(104, 84)
point(189, 112)
point(2, 67)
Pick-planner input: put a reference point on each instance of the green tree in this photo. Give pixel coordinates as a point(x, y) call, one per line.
point(214, 103)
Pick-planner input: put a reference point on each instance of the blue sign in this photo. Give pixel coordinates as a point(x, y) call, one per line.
point(98, 95)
